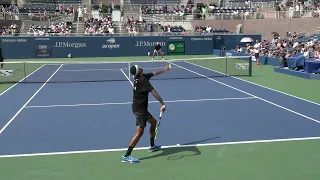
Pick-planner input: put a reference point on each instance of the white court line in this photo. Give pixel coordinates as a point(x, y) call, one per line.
point(256, 84)
point(9, 122)
point(302, 115)
point(126, 76)
point(20, 80)
point(81, 70)
point(164, 147)
point(124, 103)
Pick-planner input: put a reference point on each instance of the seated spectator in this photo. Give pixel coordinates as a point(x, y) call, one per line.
point(238, 49)
point(56, 29)
point(63, 10)
point(134, 26)
point(99, 27)
point(11, 30)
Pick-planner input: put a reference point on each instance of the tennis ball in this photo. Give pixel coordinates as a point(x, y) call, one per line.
point(170, 67)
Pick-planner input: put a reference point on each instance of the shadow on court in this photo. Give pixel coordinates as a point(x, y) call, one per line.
point(200, 141)
point(175, 153)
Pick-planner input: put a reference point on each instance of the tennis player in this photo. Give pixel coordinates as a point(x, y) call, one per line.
point(141, 89)
point(157, 50)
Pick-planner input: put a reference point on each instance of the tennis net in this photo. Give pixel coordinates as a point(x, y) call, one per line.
point(88, 71)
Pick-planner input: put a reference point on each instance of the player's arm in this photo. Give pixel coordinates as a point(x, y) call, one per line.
point(158, 97)
point(149, 88)
point(166, 68)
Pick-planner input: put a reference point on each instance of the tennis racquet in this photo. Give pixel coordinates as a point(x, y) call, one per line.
point(158, 125)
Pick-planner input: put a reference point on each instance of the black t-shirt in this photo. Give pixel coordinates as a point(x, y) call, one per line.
point(141, 89)
point(157, 47)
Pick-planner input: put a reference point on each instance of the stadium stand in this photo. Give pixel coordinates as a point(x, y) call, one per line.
point(292, 45)
point(9, 26)
point(56, 29)
point(103, 26)
point(50, 6)
point(155, 2)
point(12, 30)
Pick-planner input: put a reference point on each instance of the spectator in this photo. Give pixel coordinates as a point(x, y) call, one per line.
point(103, 26)
point(80, 13)
point(55, 29)
point(11, 30)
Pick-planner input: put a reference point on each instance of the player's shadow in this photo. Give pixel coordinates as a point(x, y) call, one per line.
point(179, 152)
point(201, 141)
point(175, 153)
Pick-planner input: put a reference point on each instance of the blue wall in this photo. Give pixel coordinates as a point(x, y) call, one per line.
point(231, 41)
point(106, 46)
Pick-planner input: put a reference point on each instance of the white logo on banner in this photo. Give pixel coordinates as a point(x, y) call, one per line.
point(242, 65)
point(111, 44)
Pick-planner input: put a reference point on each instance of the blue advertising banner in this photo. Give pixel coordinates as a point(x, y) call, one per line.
point(43, 51)
point(105, 46)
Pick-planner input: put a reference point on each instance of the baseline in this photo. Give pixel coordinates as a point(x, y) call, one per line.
point(164, 147)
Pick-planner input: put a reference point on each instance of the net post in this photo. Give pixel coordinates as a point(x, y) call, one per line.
point(226, 64)
point(25, 72)
point(250, 65)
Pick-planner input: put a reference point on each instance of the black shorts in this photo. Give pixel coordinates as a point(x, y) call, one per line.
point(256, 55)
point(1, 59)
point(142, 118)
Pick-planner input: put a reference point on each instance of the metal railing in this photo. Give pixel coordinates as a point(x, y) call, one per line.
point(48, 5)
point(234, 15)
point(41, 17)
point(188, 33)
point(186, 17)
point(260, 4)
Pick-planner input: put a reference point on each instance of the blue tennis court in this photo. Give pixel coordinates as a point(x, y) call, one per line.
point(63, 112)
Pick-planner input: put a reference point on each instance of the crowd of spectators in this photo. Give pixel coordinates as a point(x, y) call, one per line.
point(102, 26)
point(9, 30)
point(201, 30)
point(56, 29)
point(173, 29)
point(165, 9)
point(134, 26)
point(292, 45)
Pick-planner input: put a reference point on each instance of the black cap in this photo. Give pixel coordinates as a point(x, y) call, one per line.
point(133, 70)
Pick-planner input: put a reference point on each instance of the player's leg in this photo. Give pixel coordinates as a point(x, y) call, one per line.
point(154, 53)
point(141, 122)
point(160, 51)
point(1, 64)
point(153, 125)
point(257, 58)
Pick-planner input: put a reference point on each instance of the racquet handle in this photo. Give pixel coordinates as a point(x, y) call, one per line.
point(160, 114)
